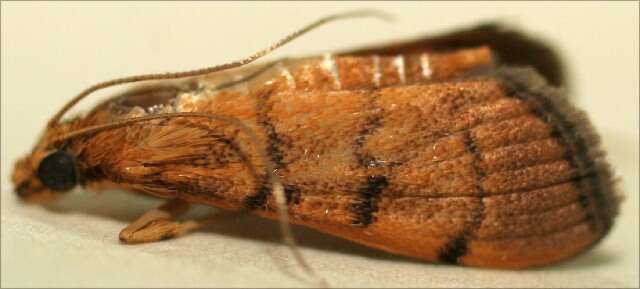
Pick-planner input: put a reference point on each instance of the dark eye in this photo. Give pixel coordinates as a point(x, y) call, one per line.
point(57, 171)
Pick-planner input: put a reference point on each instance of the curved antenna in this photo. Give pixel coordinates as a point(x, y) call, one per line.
point(276, 184)
point(174, 75)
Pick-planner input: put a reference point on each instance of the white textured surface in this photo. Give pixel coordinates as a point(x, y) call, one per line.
point(50, 51)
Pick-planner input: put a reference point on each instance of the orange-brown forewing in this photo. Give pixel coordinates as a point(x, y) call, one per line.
point(435, 153)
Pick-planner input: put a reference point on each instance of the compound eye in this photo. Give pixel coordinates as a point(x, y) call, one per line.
point(57, 171)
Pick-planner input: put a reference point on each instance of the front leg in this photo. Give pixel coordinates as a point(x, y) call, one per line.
point(159, 224)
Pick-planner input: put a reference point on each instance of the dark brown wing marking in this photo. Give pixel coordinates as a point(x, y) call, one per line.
point(457, 247)
point(260, 198)
point(588, 184)
point(374, 122)
point(274, 150)
point(370, 193)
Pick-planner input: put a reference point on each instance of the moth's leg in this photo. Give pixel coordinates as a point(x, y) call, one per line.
point(159, 224)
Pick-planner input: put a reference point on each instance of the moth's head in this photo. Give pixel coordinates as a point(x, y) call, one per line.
point(45, 174)
point(52, 167)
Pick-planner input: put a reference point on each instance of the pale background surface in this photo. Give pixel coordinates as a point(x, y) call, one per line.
point(50, 51)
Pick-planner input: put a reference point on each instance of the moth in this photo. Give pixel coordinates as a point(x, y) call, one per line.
point(457, 148)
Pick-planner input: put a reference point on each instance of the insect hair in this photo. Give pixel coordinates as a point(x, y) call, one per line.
point(273, 179)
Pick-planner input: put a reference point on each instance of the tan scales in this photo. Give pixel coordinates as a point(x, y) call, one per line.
point(434, 149)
